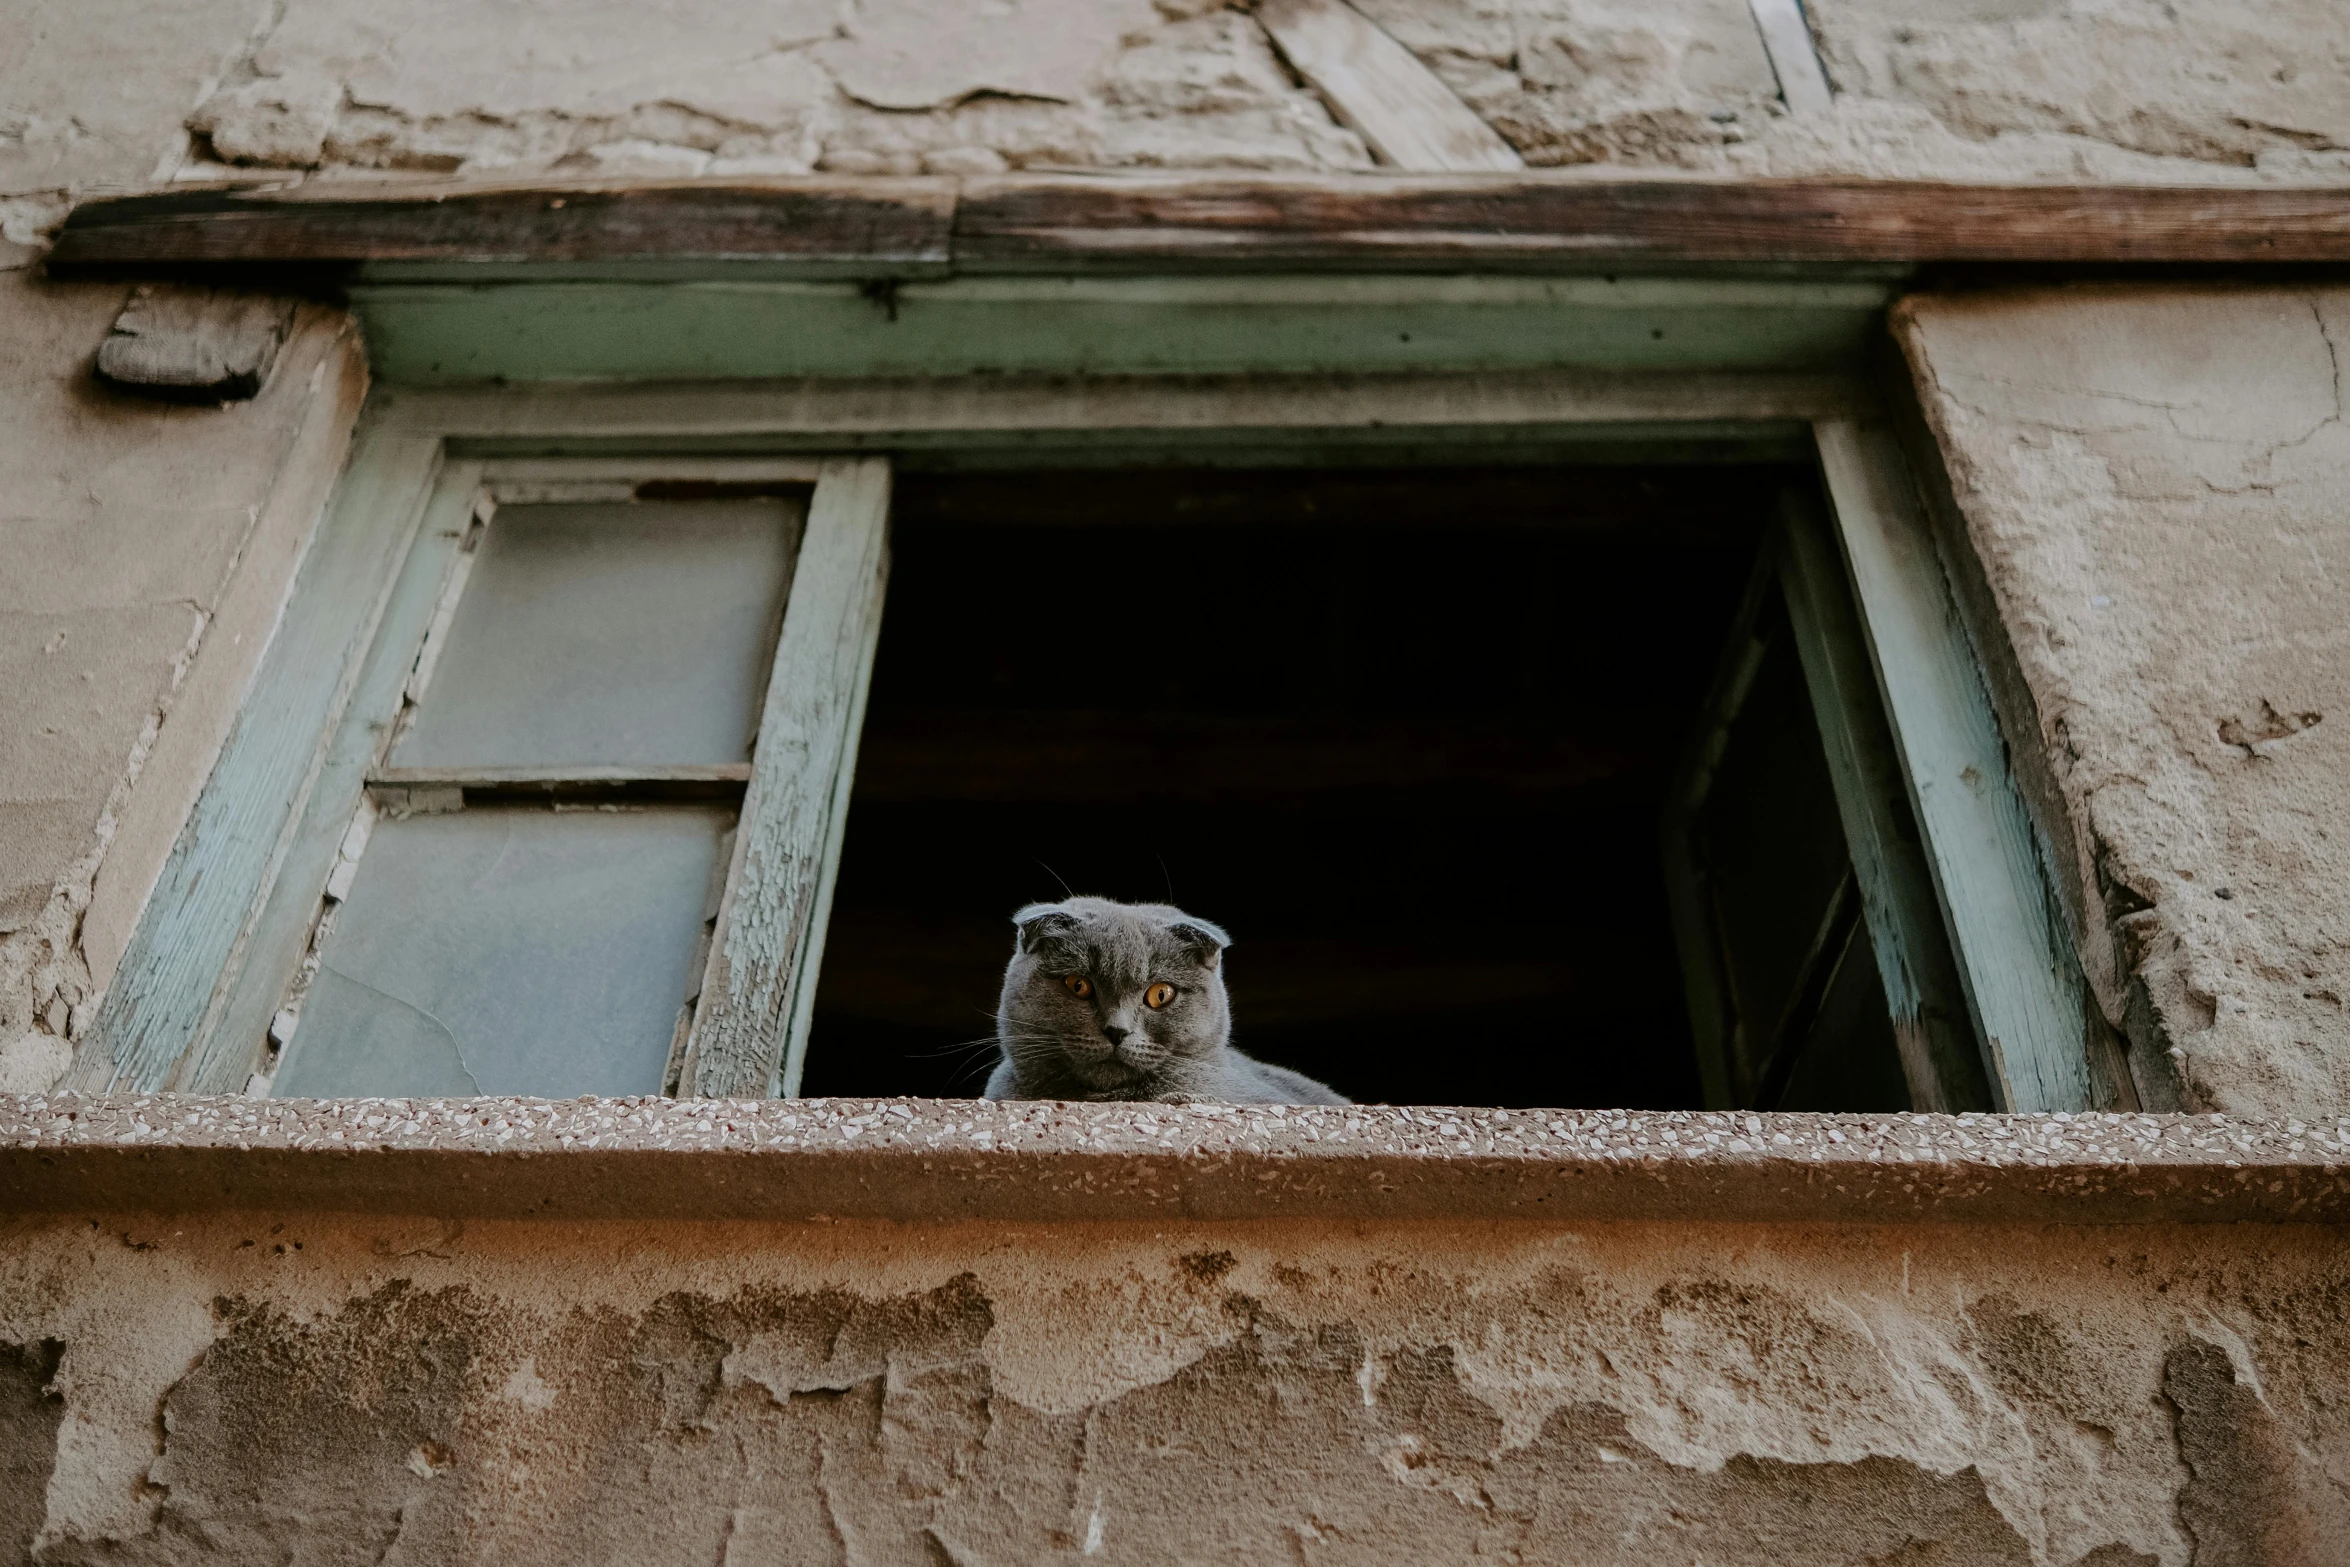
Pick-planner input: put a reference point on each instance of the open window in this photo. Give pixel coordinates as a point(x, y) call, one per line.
point(1414, 735)
point(1589, 772)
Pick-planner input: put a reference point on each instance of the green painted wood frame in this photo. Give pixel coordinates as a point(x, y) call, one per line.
point(180, 1004)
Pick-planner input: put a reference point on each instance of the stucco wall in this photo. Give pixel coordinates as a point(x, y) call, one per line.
point(235, 1386)
point(2148, 488)
point(2152, 489)
point(130, 529)
point(115, 93)
point(144, 554)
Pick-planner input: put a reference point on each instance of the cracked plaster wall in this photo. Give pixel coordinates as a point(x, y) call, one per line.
point(2154, 487)
point(111, 95)
point(251, 1387)
point(134, 537)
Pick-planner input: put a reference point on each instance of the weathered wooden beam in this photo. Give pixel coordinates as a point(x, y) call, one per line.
point(900, 226)
point(891, 228)
point(1468, 220)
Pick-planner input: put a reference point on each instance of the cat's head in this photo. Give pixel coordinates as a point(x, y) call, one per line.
point(1116, 995)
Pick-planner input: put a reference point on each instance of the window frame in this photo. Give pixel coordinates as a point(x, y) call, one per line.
point(2044, 1045)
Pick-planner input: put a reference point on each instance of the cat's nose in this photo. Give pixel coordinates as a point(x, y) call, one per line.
point(1114, 1034)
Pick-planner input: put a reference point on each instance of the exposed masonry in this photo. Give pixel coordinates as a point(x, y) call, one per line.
point(2104, 90)
point(2020, 88)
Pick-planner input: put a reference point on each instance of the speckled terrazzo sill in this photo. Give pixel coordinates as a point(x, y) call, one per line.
point(963, 1159)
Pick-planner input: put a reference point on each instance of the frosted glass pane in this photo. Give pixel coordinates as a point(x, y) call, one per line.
point(623, 633)
point(509, 951)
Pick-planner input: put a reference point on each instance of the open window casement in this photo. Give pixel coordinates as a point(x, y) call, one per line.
point(1857, 894)
point(573, 830)
point(1812, 950)
point(540, 786)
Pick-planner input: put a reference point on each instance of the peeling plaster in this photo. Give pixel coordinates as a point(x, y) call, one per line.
point(2104, 90)
point(236, 1383)
point(2152, 480)
point(101, 630)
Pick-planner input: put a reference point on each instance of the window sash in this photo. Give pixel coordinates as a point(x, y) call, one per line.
point(383, 579)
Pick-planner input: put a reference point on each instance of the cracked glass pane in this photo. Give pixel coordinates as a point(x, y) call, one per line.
point(633, 632)
point(509, 951)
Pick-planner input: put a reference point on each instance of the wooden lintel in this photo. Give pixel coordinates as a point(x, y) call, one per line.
point(898, 226)
point(912, 227)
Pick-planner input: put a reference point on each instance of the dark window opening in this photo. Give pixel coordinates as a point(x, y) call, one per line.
point(1406, 733)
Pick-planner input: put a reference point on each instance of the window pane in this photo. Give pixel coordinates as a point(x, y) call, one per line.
point(509, 951)
point(619, 633)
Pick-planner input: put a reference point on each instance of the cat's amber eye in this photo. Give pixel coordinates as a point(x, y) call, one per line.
point(1079, 985)
point(1158, 995)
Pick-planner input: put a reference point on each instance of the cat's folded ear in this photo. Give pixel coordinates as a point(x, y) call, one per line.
point(1040, 922)
point(1205, 942)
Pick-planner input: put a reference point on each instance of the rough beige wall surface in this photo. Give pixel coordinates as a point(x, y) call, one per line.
point(250, 1387)
point(144, 552)
point(2104, 90)
point(2114, 90)
point(2155, 484)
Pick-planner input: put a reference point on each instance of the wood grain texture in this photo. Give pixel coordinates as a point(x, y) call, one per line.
point(2024, 987)
point(921, 227)
point(1408, 118)
point(164, 993)
point(1532, 220)
point(550, 777)
point(422, 333)
point(902, 224)
point(1939, 1056)
point(1230, 411)
point(756, 994)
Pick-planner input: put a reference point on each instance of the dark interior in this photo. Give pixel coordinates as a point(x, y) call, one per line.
point(1404, 732)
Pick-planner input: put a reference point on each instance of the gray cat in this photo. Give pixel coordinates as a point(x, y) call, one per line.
point(1108, 1000)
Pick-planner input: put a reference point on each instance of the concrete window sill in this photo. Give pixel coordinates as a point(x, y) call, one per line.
point(921, 1160)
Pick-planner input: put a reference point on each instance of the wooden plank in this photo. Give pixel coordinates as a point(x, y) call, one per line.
point(1794, 57)
point(826, 226)
point(1939, 1055)
point(750, 1024)
point(981, 411)
point(165, 990)
point(1537, 221)
point(814, 225)
point(1408, 118)
point(554, 777)
point(636, 472)
point(569, 331)
point(253, 986)
point(2024, 987)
